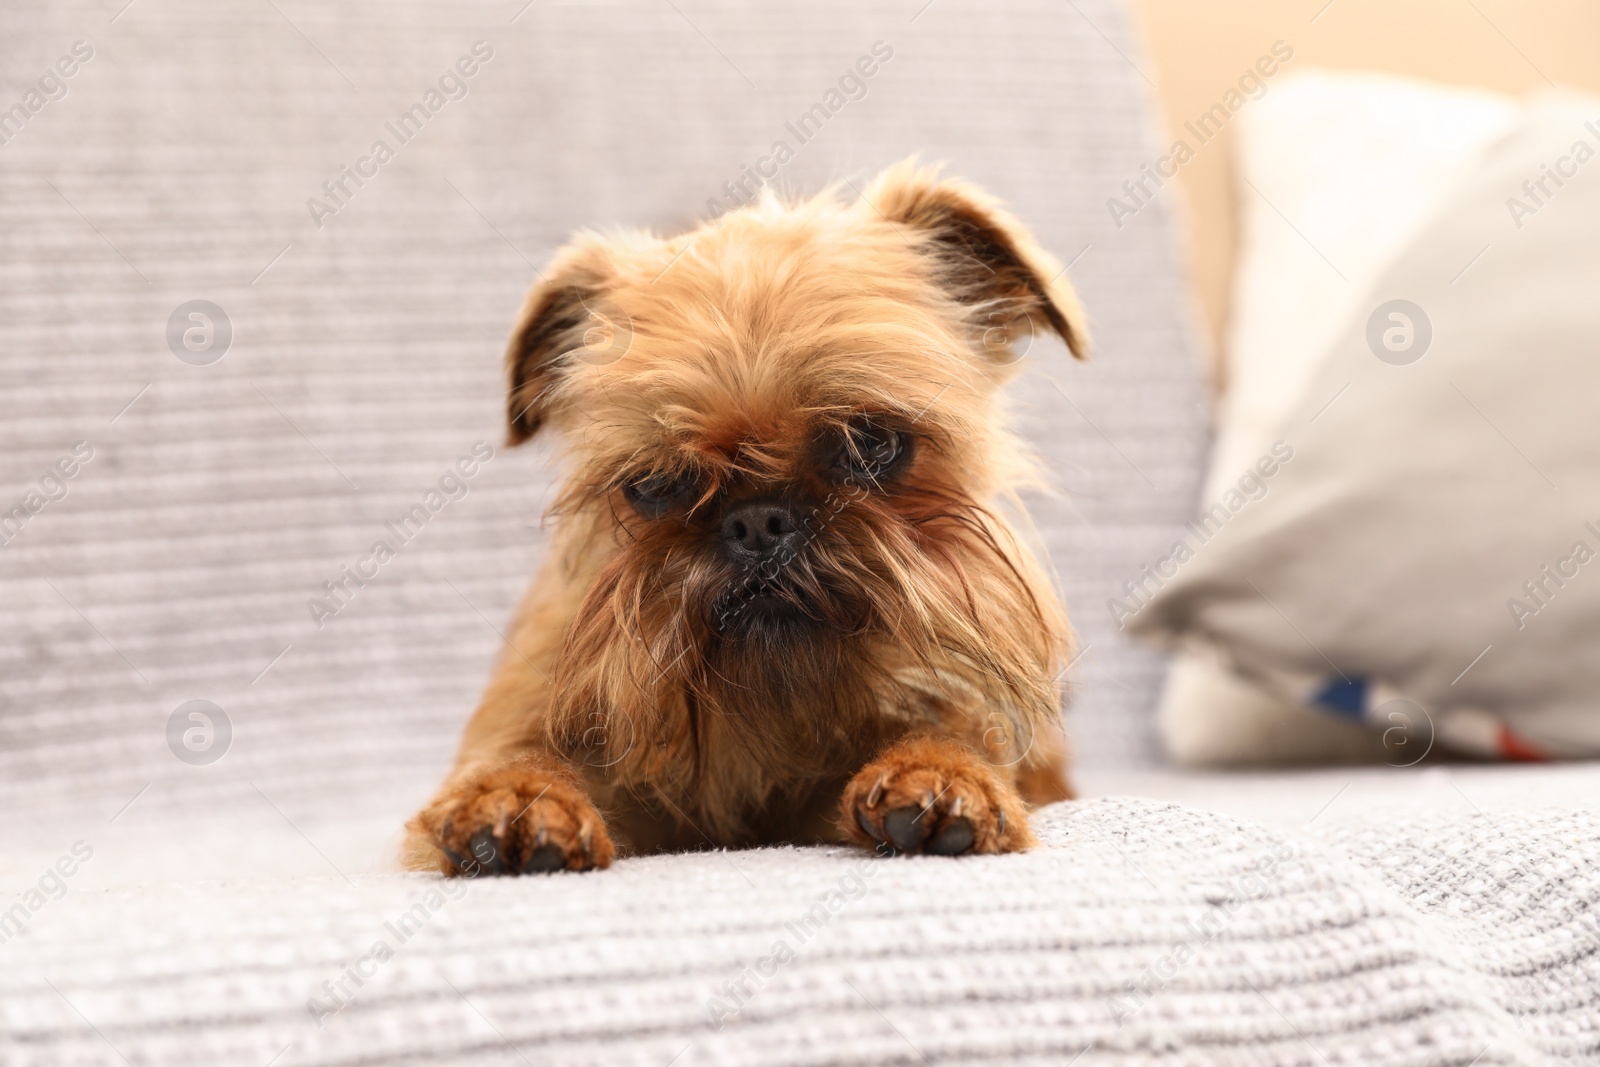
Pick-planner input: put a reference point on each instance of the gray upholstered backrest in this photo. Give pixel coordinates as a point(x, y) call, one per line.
point(364, 357)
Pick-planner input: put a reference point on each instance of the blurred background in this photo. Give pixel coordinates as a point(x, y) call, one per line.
point(1196, 51)
point(1298, 210)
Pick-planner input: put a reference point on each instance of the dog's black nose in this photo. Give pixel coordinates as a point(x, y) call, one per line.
point(758, 529)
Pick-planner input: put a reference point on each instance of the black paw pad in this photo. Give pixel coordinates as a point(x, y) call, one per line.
point(905, 829)
point(544, 859)
point(953, 838)
point(486, 852)
point(866, 825)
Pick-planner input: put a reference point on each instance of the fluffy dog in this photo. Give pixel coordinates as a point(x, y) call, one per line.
point(783, 603)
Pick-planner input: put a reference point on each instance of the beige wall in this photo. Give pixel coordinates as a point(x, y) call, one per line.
point(1197, 49)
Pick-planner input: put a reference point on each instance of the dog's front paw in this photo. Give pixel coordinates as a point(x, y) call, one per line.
point(519, 818)
point(932, 795)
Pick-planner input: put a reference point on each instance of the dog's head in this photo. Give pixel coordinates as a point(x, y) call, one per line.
point(784, 436)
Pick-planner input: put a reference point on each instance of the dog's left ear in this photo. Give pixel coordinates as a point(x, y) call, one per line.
point(559, 311)
point(985, 257)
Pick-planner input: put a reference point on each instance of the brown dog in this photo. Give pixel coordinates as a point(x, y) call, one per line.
point(781, 605)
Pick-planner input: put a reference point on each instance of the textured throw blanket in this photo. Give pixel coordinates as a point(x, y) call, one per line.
point(1139, 933)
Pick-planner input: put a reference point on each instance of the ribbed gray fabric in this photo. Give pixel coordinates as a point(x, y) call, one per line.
point(1141, 933)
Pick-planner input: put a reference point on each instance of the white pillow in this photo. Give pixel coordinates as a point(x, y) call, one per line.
point(1443, 510)
point(1337, 171)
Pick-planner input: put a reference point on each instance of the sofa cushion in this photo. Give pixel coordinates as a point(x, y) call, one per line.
point(1422, 564)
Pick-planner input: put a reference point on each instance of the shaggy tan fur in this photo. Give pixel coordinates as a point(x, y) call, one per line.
point(888, 675)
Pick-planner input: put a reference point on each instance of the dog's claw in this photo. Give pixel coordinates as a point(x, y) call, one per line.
point(953, 838)
point(876, 794)
point(905, 829)
point(1002, 827)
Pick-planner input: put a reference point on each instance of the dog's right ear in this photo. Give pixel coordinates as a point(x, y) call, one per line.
point(561, 314)
point(984, 257)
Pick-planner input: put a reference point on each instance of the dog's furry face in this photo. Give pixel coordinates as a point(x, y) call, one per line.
point(785, 441)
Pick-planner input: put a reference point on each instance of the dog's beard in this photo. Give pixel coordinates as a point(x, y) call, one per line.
point(753, 648)
point(793, 665)
point(772, 608)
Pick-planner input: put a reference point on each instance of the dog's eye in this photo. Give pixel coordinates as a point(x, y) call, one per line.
point(653, 495)
point(871, 451)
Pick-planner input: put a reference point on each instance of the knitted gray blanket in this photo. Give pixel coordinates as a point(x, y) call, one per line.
point(1139, 933)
